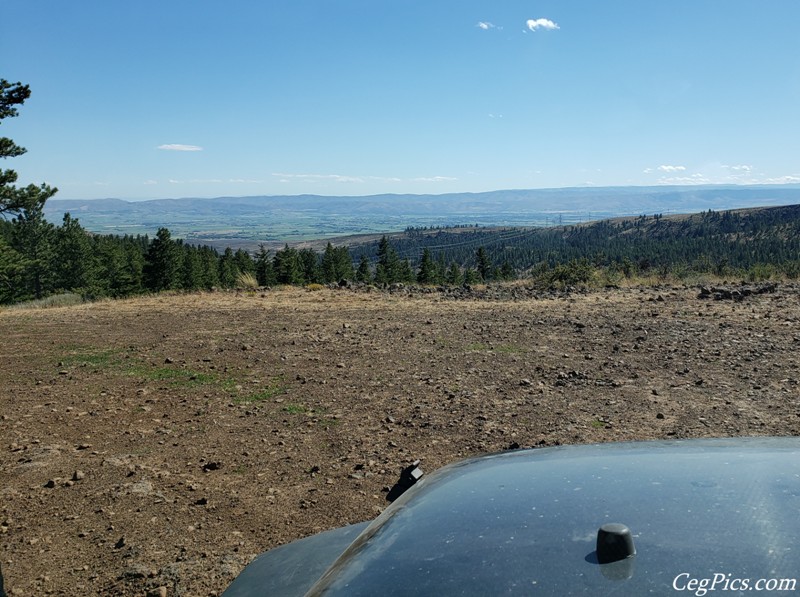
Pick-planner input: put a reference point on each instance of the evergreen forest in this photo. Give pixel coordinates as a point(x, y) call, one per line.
point(39, 259)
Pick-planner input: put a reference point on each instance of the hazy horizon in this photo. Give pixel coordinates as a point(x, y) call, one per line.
point(664, 187)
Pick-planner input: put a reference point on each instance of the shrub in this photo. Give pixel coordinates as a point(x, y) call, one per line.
point(247, 281)
point(66, 299)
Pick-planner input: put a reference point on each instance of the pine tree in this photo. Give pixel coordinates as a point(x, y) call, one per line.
point(471, 276)
point(12, 266)
point(405, 273)
point(328, 273)
point(192, 274)
point(209, 259)
point(427, 269)
point(288, 269)
point(227, 269)
point(363, 274)
point(453, 276)
point(162, 263)
point(309, 266)
point(32, 237)
point(244, 262)
point(507, 272)
point(265, 273)
point(14, 200)
point(344, 264)
point(76, 264)
point(386, 271)
point(484, 265)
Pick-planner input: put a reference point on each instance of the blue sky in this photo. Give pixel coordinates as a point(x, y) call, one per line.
point(192, 98)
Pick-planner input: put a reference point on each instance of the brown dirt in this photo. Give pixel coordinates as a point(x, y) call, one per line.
point(165, 441)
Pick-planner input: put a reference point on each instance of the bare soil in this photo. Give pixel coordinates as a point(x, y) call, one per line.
point(156, 445)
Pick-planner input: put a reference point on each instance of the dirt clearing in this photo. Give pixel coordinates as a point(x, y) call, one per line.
point(155, 445)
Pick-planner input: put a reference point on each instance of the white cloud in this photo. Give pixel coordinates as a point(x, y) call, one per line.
point(782, 180)
point(742, 168)
point(150, 182)
point(316, 177)
point(179, 147)
point(671, 168)
point(534, 24)
point(434, 179)
point(197, 181)
point(485, 25)
point(284, 177)
point(696, 178)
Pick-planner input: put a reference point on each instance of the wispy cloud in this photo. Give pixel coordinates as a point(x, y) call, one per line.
point(535, 24)
point(696, 178)
point(717, 173)
point(286, 177)
point(782, 180)
point(179, 147)
point(197, 181)
point(434, 179)
point(485, 25)
point(317, 177)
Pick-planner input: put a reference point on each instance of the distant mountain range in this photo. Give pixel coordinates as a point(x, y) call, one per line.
point(302, 217)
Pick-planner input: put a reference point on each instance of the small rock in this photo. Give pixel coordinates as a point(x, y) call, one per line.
point(169, 360)
point(50, 484)
point(659, 415)
point(157, 592)
point(78, 475)
point(120, 543)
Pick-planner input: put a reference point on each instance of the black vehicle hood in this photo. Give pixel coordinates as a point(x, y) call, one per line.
point(526, 522)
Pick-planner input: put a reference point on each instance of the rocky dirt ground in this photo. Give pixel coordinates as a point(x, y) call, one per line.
point(154, 446)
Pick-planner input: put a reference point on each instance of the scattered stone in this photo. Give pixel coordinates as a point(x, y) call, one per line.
point(78, 475)
point(211, 466)
point(169, 360)
point(157, 592)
